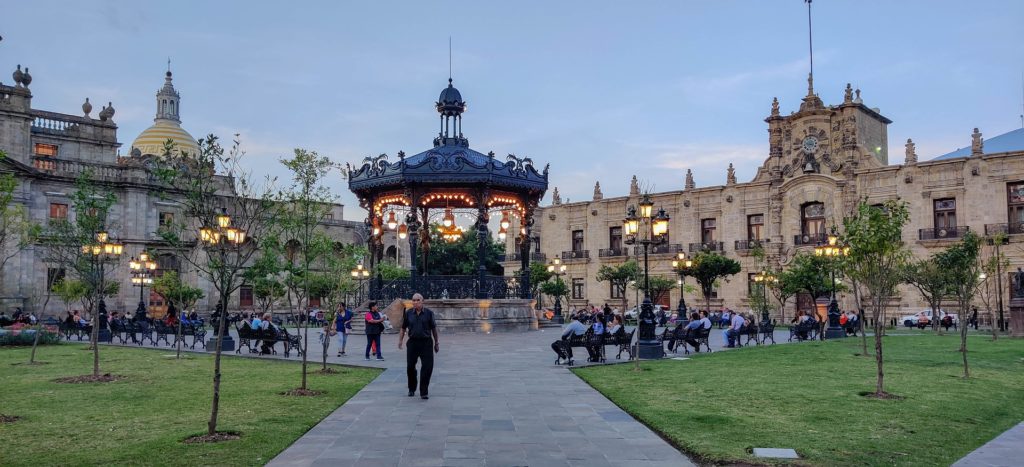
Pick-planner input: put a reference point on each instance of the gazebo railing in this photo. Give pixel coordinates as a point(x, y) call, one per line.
point(442, 287)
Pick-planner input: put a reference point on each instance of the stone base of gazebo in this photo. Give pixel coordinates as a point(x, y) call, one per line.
point(473, 315)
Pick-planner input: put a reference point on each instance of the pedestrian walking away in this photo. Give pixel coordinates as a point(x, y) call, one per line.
point(342, 326)
point(419, 324)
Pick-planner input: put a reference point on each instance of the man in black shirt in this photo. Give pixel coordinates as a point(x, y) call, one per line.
point(419, 323)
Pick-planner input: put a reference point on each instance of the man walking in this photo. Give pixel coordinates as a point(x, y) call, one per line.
point(419, 323)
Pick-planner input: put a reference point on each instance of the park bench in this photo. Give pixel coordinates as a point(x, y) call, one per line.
point(575, 340)
point(162, 331)
point(69, 329)
point(806, 330)
point(250, 338)
point(851, 327)
point(750, 332)
point(144, 329)
point(767, 330)
point(622, 340)
point(196, 331)
point(119, 330)
point(700, 335)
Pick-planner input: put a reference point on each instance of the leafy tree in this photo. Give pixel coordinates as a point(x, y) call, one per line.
point(810, 273)
point(555, 289)
point(459, 258)
point(62, 242)
point(388, 270)
point(876, 258)
point(16, 227)
point(786, 286)
point(206, 184)
point(538, 275)
point(708, 267)
point(994, 265)
point(660, 286)
point(964, 269)
point(619, 276)
point(69, 291)
point(304, 206)
point(181, 295)
point(932, 281)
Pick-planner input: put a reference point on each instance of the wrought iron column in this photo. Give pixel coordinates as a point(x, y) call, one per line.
point(524, 290)
point(414, 233)
point(481, 248)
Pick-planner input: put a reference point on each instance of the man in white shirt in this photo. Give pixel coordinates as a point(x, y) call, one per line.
point(561, 347)
point(734, 330)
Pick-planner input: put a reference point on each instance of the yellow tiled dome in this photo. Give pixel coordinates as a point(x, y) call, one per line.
point(151, 141)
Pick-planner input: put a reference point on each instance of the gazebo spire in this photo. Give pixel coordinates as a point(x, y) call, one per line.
point(451, 106)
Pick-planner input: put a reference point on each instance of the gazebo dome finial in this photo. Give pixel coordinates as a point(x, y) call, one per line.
point(451, 106)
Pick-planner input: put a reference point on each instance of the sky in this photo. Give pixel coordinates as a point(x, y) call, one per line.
point(601, 90)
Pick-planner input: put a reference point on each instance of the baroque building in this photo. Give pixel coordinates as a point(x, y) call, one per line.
point(821, 160)
point(47, 151)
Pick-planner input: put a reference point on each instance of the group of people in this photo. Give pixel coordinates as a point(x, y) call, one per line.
point(341, 326)
point(604, 323)
point(18, 317)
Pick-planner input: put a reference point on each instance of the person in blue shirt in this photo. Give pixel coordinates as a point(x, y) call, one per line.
point(597, 341)
point(343, 326)
point(256, 323)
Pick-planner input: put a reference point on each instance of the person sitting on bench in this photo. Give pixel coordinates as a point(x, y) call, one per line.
point(560, 346)
point(682, 333)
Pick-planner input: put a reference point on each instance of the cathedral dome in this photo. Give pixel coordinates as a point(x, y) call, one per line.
point(166, 126)
point(151, 141)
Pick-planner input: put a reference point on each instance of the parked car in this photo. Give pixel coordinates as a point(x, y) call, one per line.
point(632, 312)
point(914, 319)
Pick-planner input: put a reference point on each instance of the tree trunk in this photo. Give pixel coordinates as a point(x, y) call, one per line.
point(880, 383)
point(178, 337)
point(995, 330)
point(963, 347)
point(327, 344)
point(215, 406)
point(95, 338)
point(35, 344)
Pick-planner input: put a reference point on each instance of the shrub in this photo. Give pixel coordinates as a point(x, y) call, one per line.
point(26, 336)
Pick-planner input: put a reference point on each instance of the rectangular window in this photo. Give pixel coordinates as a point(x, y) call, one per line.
point(53, 276)
point(314, 302)
point(46, 150)
point(577, 240)
point(536, 244)
point(1015, 204)
point(245, 296)
point(616, 291)
point(707, 230)
point(166, 219)
point(945, 213)
point(577, 288)
point(58, 211)
point(755, 225)
point(615, 238)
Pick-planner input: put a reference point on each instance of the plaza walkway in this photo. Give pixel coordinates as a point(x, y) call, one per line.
point(495, 399)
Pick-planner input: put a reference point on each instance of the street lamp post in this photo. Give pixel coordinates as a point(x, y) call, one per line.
point(682, 267)
point(652, 232)
point(221, 239)
point(764, 278)
point(557, 269)
point(142, 271)
point(833, 251)
point(103, 251)
point(360, 274)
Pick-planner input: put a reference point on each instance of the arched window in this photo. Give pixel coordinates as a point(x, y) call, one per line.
point(163, 106)
point(812, 220)
point(392, 253)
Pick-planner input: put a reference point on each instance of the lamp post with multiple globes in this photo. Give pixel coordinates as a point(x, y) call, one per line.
point(557, 269)
point(360, 274)
point(647, 229)
point(142, 271)
point(764, 278)
point(221, 239)
point(104, 250)
point(833, 250)
point(682, 267)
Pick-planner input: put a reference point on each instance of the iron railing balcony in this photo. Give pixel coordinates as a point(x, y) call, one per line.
point(518, 256)
point(744, 245)
point(707, 246)
point(943, 233)
point(576, 255)
point(612, 252)
point(1012, 228)
point(810, 239)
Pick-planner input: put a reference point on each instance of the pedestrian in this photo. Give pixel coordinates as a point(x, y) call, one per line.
point(342, 326)
point(419, 323)
point(374, 328)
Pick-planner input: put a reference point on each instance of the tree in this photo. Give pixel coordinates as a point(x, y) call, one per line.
point(785, 287)
point(459, 258)
point(390, 271)
point(876, 259)
point(305, 204)
point(555, 289)
point(207, 185)
point(618, 277)
point(658, 286)
point(994, 266)
point(932, 281)
point(538, 275)
point(62, 243)
point(332, 282)
point(179, 294)
point(16, 227)
point(708, 267)
point(964, 270)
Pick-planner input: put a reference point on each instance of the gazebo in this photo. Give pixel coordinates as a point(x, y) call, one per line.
point(440, 186)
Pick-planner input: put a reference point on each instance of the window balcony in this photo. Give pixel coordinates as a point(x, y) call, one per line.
point(517, 256)
point(1011, 229)
point(810, 239)
point(943, 233)
point(665, 248)
point(744, 245)
point(612, 252)
point(576, 255)
point(707, 246)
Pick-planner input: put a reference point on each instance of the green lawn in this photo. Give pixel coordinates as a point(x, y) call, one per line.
point(143, 418)
point(804, 396)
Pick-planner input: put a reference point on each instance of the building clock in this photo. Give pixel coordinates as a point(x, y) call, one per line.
point(810, 145)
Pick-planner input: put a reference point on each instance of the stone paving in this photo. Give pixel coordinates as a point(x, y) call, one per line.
point(495, 399)
point(1006, 450)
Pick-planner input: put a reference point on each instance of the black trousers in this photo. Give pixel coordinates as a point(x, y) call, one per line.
point(423, 350)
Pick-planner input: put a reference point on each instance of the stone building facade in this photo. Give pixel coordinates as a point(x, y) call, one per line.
point(47, 151)
point(821, 160)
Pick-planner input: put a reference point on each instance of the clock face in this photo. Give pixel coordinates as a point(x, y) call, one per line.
point(810, 144)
